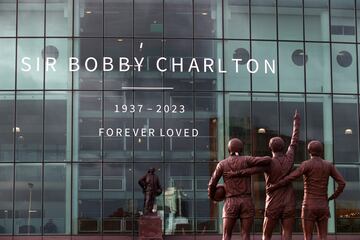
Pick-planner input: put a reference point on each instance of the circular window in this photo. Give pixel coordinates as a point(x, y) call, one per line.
point(298, 57)
point(344, 58)
point(50, 51)
point(243, 54)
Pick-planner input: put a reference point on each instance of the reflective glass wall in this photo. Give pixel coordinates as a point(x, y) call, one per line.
point(59, 177)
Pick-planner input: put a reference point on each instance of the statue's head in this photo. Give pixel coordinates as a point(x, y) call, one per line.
point(235, 146)
point(151, 170)
point(277, 144)
point(315, 148)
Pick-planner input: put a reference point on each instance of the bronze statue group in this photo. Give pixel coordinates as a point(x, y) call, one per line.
point(280, 202)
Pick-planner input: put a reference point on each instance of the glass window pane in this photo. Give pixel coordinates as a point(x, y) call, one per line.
point(148, 18)
point(31, 18)
point(116, 48)
point(30, 70)
point(87, 198)
point(179, 148)
point(8, 18)
point(181, 50)
point(7, 63)
point(178, 18)
point(264, 122)
point(342, 21)
point(61, 50)
point(7, 109)
point(118, 199)
point(57, 126)
point(209, 112)
point(59, 17)
point(316, 15)
point(29, 127)
point(263, 19)
point(89, 52)
point(290, 19)
point(208, 81)
point(208, 19)
point(6, 198)
point(57, 195)
point(261, 52)
point(88, 18)
point(28, 199)
point(118, 147)
point(238, 119)
point(237, 77)
point(288, 104)
point(179, 195)
point(118, 19)
point(292, 60)
point(237, 12)
point(346, 134)
point(318, 121)
point(318, 78)
point(344, 68)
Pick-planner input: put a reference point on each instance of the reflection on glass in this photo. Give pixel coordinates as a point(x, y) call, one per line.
point(342, 21)
point(236, 12)
point(29, 127)
point(344, 68)
point(148, 18)
point(88, 16)
point(118, 199)
point(31, 18)
point(318, 78)
point(316, 15)
point(263, 19)
point(60, 50)
point(290, 19)
point(87, 121)
point(178, 16)
point(345, 112)
point(207, 19)
point(30, 64)
point(209, 122)
point(57, 126)
point(118, 17)
point(7, 131)
point(59, 17)
point(118, 148)
point(237, 81)
point(57, 199)
point(6, 198)
point(28, 199)
point(8, 18)
point(7, 63)
point(291, 67)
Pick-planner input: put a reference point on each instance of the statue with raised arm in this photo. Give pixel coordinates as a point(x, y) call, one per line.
point(151, 187)
point(238, 201)
point(279, 204)
point(316, 172)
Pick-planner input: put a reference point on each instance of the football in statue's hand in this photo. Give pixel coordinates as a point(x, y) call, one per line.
point(219, 193)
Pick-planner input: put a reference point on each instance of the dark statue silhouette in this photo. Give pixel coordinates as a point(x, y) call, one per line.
point(151, 188)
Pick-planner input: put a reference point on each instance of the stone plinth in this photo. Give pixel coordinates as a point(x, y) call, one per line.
point(150, 228)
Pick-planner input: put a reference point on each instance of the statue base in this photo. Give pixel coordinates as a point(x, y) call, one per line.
point(150, 227)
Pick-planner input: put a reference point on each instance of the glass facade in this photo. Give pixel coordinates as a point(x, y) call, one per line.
point(59, 177)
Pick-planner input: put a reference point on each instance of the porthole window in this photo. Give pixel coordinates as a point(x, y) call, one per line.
point(50, 51)
point(344, 58)
point(242, 53)
point(298, 57)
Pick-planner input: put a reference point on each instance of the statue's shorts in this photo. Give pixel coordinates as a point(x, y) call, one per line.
point(280, 212)
point(315, 214)
point(239, 207)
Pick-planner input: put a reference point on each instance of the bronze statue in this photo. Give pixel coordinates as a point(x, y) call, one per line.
point(279, 204)
point(238, 201)
point(316, 172)
point(151, 188)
